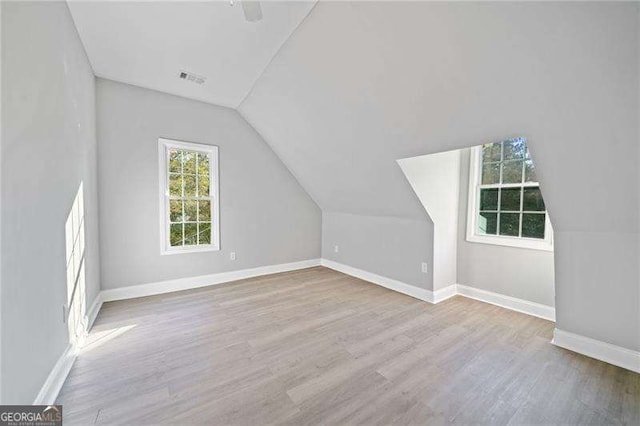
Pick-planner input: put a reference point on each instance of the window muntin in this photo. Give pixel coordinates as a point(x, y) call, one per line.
point(189, 197)
point(505, 203)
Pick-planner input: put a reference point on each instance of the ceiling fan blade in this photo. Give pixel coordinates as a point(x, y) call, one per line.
point(252, 10)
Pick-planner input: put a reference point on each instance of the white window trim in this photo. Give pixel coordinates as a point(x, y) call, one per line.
point(473, 236)
point(163, 147)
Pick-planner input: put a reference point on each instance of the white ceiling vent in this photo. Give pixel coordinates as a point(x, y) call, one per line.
point(189, 76)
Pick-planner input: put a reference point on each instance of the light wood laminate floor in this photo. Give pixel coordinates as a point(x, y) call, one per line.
point(319, 347)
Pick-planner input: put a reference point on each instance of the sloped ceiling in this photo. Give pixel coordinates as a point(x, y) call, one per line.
point(147, 43)
point(362, 84)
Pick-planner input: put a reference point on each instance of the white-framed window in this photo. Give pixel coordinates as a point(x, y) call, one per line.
point(189, 201)
point(505, 203)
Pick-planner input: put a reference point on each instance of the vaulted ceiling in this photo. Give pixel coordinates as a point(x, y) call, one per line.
point(148, 43)
point(362, 84)
point(342, 90)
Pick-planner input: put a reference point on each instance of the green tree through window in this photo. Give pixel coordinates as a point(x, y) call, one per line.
point(510, 202)
point(189, 198)
point(189, 201)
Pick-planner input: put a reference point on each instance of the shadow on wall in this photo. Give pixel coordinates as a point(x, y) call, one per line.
point(491, 227)
point(75, 249)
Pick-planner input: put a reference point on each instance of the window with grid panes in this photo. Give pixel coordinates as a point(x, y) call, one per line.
point(189, 196)
point(507, 202)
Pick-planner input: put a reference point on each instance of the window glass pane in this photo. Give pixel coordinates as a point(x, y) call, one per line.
point(189, 199)
point(532, 200)
point(189, 186)
point(512, 172)
point(487, 223)
point(533, 225)
point(175, 235)
point(175, 161)
point(506, 168)
point(489, 199)
point(510, 224)
point(491, 152)
point(510, 199)
point(189, 162)
point(175, 185)
point(529, 171)
point(204, 211)
point(204, 233)
point(203, 186)
point(515, 149)
point(175, 211)
point(203, 164)
point(490, 173)
point(190, 211)
point(190, 234)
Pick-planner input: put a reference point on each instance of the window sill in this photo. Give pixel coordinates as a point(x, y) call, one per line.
point(529, 244)
point(186, 250)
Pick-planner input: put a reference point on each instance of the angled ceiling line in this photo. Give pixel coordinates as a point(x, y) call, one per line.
point(295, 30)
point(146, 50)
point(195, 98)
point(284, 163)
point(82, 43)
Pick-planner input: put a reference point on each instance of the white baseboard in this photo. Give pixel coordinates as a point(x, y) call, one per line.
point(51, 387)
point(602, 351)
point(612, 354)
point(390, 283)
point(444, 293)
point(92, 313)
point(201, 281)
point(508, 302)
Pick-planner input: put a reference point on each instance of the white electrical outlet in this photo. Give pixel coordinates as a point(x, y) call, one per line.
point(425, 268)
point(232, 255)
point(336, 249)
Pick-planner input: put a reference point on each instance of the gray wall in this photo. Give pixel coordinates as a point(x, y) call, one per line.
point(517, 272)
point(388, 246)
point(266, 217)
point(399, 79)
point(48, 149)
point(1, 134)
